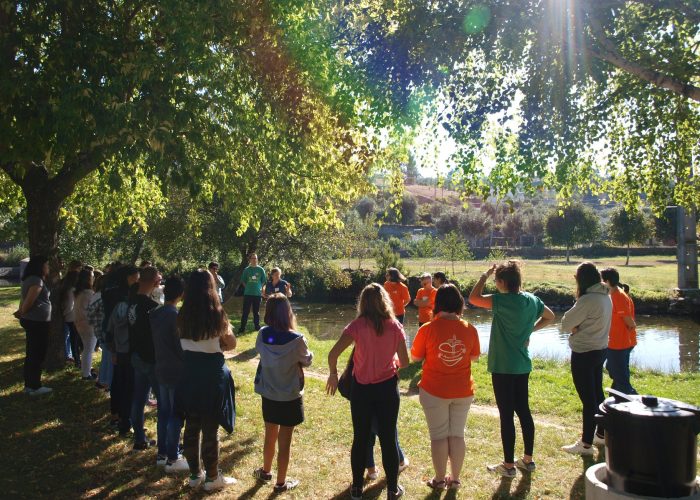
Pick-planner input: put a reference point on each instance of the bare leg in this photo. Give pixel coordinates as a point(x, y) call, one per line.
point(439, 450)
point(284, 447)
point(457, 450)
point(271, 432)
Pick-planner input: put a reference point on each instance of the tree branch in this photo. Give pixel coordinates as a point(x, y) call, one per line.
point(610, 53)
point(689, 12)
point(71, 173)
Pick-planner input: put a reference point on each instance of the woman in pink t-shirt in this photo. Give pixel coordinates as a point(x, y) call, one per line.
point(378, 338)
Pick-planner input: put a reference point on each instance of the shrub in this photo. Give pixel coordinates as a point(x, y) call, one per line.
point(15, 255)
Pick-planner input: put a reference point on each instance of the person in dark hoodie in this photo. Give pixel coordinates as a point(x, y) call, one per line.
point(169, 360)
point(280, 382)
point(143, 358)
point(205, 394)
point(117, 338)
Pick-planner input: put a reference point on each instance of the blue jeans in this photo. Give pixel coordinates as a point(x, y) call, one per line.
point(169, 424)
point(618, 366)
point(144, 380)
point(106, 366)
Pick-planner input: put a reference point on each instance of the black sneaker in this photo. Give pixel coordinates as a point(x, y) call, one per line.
point(144, 445)
point(391, 495)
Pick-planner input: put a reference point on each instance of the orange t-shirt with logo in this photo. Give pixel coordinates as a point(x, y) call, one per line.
point(399, 296)
point(447, 346)
point(425, 313)
point(620, 336)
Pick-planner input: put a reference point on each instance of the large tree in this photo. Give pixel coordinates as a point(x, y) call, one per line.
point(202, 96)
point(578, 95)
point(571, 225)
point(626, 227)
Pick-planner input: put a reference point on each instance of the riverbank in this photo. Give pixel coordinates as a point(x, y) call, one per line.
point(651, 278)
point(61, 446)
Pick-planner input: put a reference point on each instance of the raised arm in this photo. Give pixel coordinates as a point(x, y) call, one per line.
point(476, 297)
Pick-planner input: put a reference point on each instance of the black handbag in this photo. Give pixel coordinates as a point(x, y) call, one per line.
point(346, 378)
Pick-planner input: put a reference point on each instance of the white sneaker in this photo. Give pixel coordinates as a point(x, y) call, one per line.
point(196, 480)
point(598, 441)
point(179, 465)
point(161, 460)
point(403, 466)
point(578, 449)
point(219, 483)
point(40, 391)
point(372, 476)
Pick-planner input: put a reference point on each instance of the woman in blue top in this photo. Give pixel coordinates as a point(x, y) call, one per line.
point(277, 284)
point(280, 382)
point(516, 314)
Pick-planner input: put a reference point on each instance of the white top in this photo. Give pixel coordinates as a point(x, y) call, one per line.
point(209, 346)
point(80, 312)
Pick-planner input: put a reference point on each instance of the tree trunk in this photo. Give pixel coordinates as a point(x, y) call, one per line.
point(627, 262)
point(42, 222)
point(567, 254)
point(138, 248)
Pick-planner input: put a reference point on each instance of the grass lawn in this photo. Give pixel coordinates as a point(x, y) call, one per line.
point(658, 273)
point(61, 446)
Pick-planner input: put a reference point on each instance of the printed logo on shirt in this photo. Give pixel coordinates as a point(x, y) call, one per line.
point(452, 351)
point(131, 315)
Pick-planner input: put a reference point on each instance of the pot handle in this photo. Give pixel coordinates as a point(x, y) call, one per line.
point(619, 396)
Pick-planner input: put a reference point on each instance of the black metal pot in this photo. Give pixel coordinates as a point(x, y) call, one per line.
point(651, 444)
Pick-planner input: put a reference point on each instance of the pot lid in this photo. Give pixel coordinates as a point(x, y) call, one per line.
point(650, 406)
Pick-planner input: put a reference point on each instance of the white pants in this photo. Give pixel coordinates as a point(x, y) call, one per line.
point(89, 343)
point(446, 417)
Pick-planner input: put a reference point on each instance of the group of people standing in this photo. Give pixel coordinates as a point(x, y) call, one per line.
point(601, 325)
point(178, 354)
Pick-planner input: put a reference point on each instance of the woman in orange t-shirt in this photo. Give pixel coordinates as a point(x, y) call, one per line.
point(425, 299)
point(623, 333)
point(398, 292)
point(447, 346)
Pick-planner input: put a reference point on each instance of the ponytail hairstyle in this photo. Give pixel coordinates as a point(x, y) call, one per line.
point(610, 275)
point(375, 305)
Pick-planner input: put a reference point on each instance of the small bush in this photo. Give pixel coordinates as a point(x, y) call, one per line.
point(496, 255)
point(385, 258)
point(15, 255)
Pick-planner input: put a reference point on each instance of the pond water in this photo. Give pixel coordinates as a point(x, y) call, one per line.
point(665, 343)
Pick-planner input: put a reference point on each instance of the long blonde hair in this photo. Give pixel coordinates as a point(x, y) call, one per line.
point(375, 305)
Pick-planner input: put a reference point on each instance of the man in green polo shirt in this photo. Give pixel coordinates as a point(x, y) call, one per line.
point(253, 279)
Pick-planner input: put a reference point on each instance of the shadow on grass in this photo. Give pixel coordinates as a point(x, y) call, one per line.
point(503, 490)
point(578, 489)
point(245, 355)
point(373, 491)
point(63, 439)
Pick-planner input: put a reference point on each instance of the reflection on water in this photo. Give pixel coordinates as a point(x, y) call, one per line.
point(665, 343)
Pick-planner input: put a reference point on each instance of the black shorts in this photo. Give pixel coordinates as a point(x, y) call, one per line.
point(287, 413)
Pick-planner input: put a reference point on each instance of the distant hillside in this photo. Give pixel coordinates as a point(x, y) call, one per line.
point(430, 194)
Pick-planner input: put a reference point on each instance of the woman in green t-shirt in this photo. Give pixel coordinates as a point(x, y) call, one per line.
point(516, 314)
